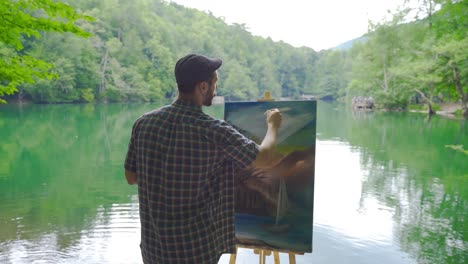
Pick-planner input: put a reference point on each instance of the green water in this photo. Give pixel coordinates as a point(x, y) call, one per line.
point(387, 189)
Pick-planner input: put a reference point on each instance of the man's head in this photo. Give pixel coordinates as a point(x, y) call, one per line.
point(193, 69)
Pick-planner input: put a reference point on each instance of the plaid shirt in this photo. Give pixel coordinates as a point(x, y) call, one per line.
point(185, 162)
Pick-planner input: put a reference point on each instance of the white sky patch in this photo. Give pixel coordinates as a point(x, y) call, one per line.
point(316, 24)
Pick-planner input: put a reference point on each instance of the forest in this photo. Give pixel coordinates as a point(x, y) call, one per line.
point(124, 51)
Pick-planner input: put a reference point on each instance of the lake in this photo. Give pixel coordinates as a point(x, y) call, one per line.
point(388, 187)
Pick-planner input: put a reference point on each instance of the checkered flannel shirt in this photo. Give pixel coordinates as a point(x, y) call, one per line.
point(185, 162)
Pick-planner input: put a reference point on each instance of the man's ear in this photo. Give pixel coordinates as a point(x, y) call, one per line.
point(203, 87)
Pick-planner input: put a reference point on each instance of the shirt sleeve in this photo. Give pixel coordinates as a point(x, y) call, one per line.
point(130, 160)
point(236, 147)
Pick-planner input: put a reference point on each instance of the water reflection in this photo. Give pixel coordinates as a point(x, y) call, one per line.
point(61, 184)
point(359, 218)
point(407, 168)
point(109, 238)
point(348, 227)
point(387, 189)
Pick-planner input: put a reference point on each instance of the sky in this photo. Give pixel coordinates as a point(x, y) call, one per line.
point(318, 24)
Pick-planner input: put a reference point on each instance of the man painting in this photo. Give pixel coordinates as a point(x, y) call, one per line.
point(184, 162)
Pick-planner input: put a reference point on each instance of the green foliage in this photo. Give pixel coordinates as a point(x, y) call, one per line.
point(16, 69)
point(27, 19)
point(392, 102)
point(87, 95)
point(436, 107)
point(416, 107)
point(331, 71)
point(112, 94)
point(135, 44)
point(422, 59)
point(452, 19)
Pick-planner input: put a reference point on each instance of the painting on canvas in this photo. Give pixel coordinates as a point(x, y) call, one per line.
point(274, 199)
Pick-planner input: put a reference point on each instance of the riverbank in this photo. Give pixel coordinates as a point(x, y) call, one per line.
point(445, 109)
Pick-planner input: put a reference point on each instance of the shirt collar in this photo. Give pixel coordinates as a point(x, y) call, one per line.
point(186, 104)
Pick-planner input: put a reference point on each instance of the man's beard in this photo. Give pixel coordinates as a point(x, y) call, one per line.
point(209, 97)
point(208, 100)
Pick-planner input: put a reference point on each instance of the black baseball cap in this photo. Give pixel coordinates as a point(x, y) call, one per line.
point(194, 68)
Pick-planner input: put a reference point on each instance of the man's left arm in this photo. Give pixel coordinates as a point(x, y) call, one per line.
point(131, 177)
point(130, 159)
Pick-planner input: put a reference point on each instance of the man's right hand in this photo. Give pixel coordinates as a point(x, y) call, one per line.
point(267, 148)
point(273, 117)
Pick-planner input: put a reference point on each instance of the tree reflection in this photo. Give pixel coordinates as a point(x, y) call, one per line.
point(60, 163)
point(411, 170)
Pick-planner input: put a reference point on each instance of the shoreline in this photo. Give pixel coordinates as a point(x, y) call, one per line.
point(447, 110)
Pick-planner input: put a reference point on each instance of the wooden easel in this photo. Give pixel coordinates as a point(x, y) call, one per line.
point(262, 252)
point(266, 98)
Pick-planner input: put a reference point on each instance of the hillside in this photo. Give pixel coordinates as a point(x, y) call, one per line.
point(345, 46)
point(135, 45)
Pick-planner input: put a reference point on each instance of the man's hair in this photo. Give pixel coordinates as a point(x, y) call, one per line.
point(191, 88)
point(212, 76)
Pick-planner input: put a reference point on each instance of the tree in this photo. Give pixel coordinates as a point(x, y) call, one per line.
point(330, 71)
point(450, 25)
point(27, 19)
point(375, 64)
point(455, 62)
point(238, 85)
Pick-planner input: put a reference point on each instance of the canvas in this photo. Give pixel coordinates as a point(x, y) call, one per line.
point(275, 199)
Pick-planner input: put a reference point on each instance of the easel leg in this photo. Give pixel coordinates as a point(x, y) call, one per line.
point(232, 259)
point(262, 257)
point(262, 253)
point(276, 257)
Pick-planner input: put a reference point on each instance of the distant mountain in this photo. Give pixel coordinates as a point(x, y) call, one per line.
point(348, 44)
